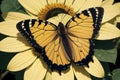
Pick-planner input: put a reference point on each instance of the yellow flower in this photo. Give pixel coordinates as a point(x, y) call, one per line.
point(117, 19)
point(27, 58)
point(108, 28)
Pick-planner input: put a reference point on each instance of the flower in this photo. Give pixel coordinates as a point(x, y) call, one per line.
point(27, 58)
point(111, 13)
point(116, 21)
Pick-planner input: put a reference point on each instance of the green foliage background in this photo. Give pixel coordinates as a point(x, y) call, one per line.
point(105, 51)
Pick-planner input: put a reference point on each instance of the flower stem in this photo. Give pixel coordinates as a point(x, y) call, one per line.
point(2, 75)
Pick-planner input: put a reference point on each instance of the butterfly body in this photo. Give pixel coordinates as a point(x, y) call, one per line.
point(61, 29)
point(62, 32)
point(61, 45)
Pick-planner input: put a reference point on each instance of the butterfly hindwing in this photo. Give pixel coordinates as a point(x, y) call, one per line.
point(82, 28)
point(56, 56)
point(82, 50)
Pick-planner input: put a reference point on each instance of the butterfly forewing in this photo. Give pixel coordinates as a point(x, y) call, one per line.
point(24, 29)
point(85, 24)
point(82, 28)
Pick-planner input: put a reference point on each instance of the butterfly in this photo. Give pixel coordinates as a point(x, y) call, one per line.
point(62, 45)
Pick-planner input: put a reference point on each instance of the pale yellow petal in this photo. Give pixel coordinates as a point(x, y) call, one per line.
point(9, 28)
point(53, 20)
point(107, 2)
point(16, 16)
point(95, 68)
point(31, 14)
point(90, 4)
point(36, 71)
point(34, 6)
point(118, 19)
point(21, 61)
point(78, 4)
point(60, 1)
point(48, 75)
point(10, 44)
point(69, 2)
point(64, 18)
point(108, 31)
point(110, 11)
point(118, 5)
point(65, 75)
point(81, 73)
point(51, 1)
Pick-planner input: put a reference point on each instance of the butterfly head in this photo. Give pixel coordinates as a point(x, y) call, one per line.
point(61, 29)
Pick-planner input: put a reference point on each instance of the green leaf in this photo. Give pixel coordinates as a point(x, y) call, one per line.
point(11, 6)
point(116, 74)
point(106, 55)
point(105, 51)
